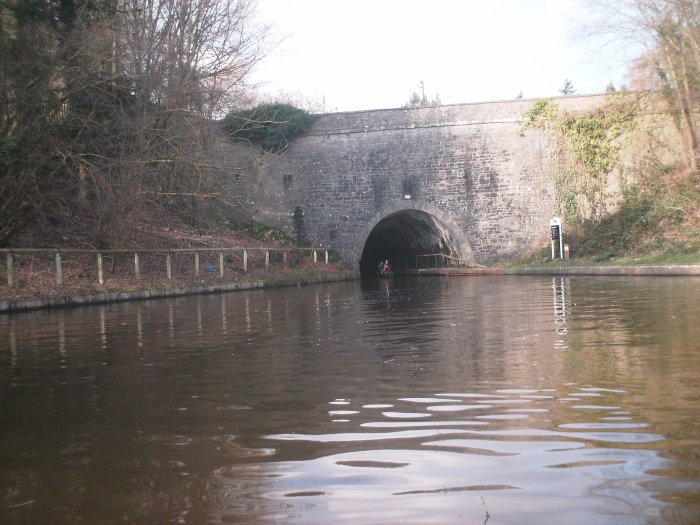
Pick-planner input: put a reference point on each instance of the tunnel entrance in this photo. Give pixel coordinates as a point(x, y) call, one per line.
point(402, 236)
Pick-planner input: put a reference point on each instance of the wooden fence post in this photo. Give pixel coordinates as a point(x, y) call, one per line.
point(10, 271)
point(315, 257)
point(169, 266)
point(100, 272)
point(196, 263)
point(59, 269)
point(221, 264)
point(326, 256)
point(137, 270)
point(267, 259)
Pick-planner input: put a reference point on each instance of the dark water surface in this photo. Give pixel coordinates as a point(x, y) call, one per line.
point(544, 400)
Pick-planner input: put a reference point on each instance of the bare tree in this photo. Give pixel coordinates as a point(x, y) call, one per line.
point(113, 103)
point(667, 33)
point(29, 109)
point(190, 55)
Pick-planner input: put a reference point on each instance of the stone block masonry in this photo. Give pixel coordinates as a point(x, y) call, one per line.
point(465, 165)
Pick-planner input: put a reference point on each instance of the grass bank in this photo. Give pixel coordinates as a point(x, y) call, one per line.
point(656, 222)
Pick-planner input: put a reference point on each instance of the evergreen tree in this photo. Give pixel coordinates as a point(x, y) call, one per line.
point(568, 88)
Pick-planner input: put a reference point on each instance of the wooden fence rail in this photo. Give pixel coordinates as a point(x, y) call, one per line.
point(12, 253)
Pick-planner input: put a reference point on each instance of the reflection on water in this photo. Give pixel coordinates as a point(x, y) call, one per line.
point(559, 290)
point(554, 399)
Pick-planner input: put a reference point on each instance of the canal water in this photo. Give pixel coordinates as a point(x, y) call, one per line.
point(470, 400)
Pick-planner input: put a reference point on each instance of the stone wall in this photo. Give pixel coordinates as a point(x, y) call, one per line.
point(466, 165)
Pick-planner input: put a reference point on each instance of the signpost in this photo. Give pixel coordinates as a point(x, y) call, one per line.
point(556, 235)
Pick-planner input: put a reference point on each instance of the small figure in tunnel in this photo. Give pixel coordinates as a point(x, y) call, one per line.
point(384, 268)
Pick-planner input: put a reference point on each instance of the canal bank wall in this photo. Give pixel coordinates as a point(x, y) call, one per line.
point(73, 300)
point(67, 301)
point(657, 270)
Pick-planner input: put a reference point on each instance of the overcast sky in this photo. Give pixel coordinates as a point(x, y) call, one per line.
point(369, 54)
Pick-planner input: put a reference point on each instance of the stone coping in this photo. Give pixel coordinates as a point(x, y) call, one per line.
point(63, 301)
point(648, 270)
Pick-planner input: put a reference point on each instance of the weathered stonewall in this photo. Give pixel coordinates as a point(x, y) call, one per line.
point(458, 178)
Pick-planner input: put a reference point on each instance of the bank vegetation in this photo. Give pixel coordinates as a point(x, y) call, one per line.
point(110, 111)
point(111, 116)
point(626, 174)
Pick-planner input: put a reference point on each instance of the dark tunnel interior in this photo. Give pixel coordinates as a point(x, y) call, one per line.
point(401, 236)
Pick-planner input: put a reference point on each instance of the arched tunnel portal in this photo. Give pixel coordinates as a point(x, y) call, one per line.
point(401, 236)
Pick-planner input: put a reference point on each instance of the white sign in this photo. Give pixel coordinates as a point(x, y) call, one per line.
point(556, 234)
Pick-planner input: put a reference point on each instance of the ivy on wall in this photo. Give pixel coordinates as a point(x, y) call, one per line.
point(271, 126)
point(585, 150)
